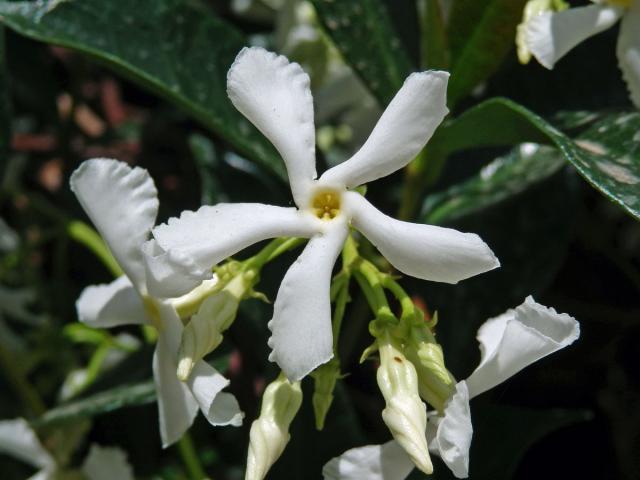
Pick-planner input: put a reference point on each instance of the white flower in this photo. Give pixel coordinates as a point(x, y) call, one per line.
point(274, 94)
point(550, 35)
point(508, 343)
point(122, 203)
point(20, 441)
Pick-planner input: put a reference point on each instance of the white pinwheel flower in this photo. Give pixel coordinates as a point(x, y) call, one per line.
point(122, 203)
point(550, 35)
point(18, 440)
point(275, 96)
point(508, 343)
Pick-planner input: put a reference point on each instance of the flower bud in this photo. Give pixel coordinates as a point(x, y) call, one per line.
point(270, 431)
point(531, 9)
point(435, 383)
point(325, 378)
point(405, 414)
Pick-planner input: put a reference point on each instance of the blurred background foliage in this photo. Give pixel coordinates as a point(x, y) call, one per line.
point(548, 178)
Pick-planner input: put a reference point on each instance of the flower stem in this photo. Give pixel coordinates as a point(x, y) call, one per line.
point(87, 236)
point(190, 458)
point(272, 250)
point(20, 384)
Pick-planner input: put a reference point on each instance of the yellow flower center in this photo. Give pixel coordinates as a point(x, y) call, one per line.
point(325, 204)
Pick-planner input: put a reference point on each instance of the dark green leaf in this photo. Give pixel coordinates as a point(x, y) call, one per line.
point(5, 116)
point(207, 162)
point(363, 33)
point(607, 154)
point(481, 34)
point(178, 49)
point(130, 395)
point(504, 177)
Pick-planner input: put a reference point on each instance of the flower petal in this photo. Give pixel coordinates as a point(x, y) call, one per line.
point(516, 339)
point(301, 323)
point(123, 204)
point(373, 462)
point(20, 441)
point(177, 407)
point(203, 238)
point(551, 35)
point(403, 130)
point(423, 251)
point(107, 463)
point(275, 96)
point(452, 439)
point(628, 51)
point(110, 305)
point(218, 407)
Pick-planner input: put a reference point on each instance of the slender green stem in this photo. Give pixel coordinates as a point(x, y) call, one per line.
point(20, 384)
point(272, 250)
point(372, 276)
point(190, 458)
point(87, 236)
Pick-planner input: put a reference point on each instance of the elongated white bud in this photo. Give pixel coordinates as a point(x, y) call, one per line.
point(270, 431)
point(204, 332)
point(405, 414)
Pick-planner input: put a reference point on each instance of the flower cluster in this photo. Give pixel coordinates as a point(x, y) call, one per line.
point(179, 278)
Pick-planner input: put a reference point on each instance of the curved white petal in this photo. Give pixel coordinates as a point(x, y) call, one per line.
point(423, 251)
point(452, 439)
point(275, 96)
point(551, 35)
point(206, 384)
point(177, 407)
point(301, 323)
point(196, 241)
point(372, 462)
point(20, 441)
point(403, 130)
point(122, 202)
point(628, 51)
point(107, 463)
point(171, 274)
point(110, 305)
point(516, 339)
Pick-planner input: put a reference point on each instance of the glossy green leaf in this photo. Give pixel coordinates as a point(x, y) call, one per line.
point(481, 34)
point(99, 403)
point(607, 154)
point(363, 33)
point(504, 177)
point(177, 49)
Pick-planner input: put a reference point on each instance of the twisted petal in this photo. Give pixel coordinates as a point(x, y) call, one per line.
point(422, 251)
point(275, 96)
point(402, 131)
point(516, 339)
point(373, 462)
point(111, 305)
point(550, 35)
point(450, 436)
point(629, 51)
point(20, 441)
point(123, 204)
point(178, 402)
point(203, 238)
point(107, 463)
point(301, 323)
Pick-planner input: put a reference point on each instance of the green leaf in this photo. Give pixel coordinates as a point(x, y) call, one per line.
point(5, 115)
point(103, 402)
point(363, 33)
point(607, 154)
point(177, 49)
point(502, 178)
point(481, 34)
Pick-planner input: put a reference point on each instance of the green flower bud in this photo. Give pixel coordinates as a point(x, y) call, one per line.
point(405, 414)
point(435, 383)
point(270, 431)
point(325, 377)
